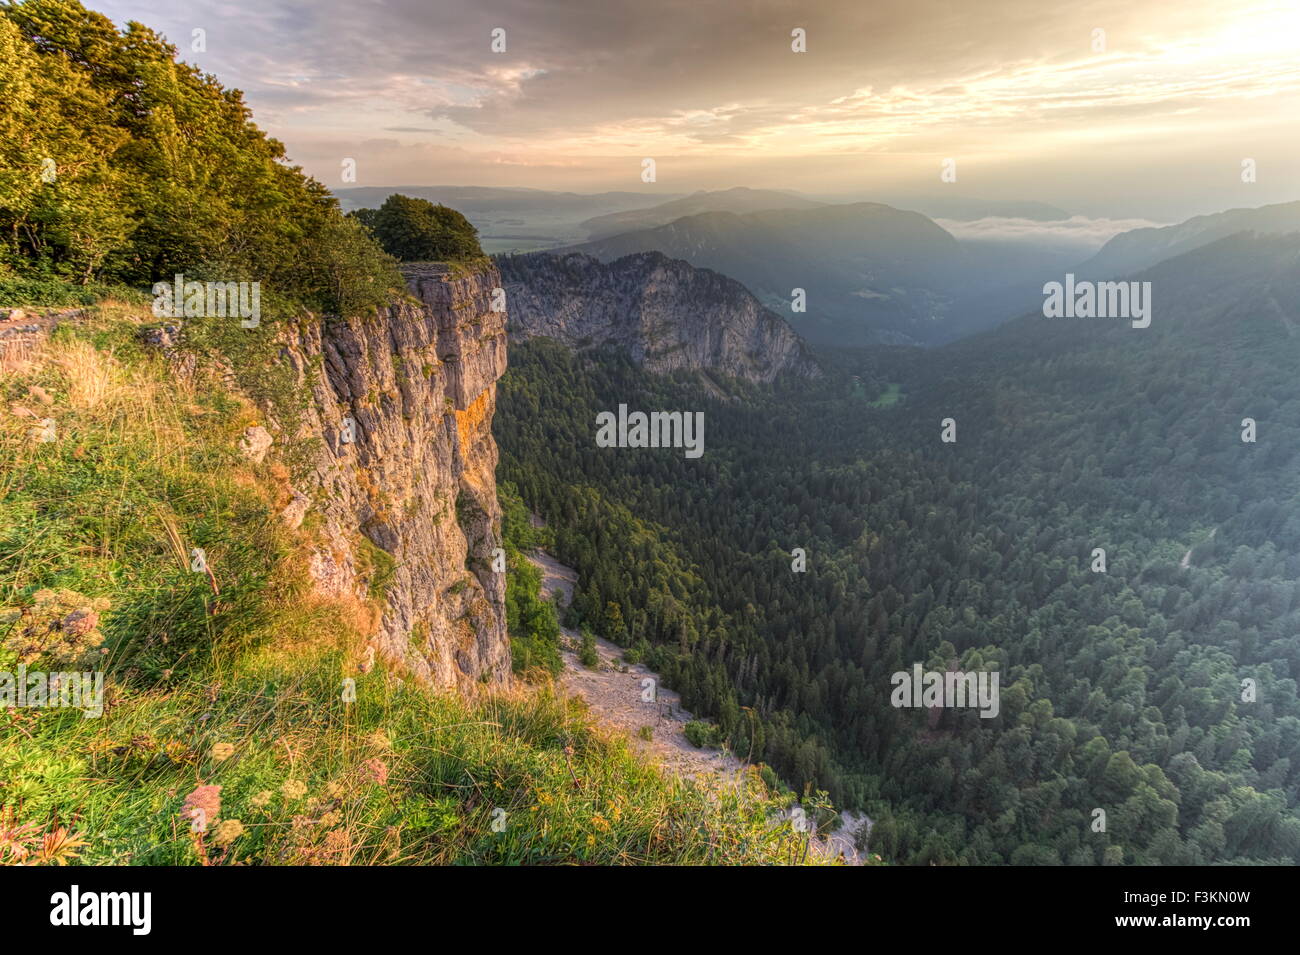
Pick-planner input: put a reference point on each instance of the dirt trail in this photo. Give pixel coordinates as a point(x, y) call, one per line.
point(1187, 558)
point(619, 695)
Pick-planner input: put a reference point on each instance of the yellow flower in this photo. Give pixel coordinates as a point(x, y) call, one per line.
point(261, 799)
point(293, 789)
point(331, 818)
point(227, 832)
point(222, 751)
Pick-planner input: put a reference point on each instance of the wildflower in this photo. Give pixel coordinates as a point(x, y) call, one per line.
point(222, 751)
point(80, 622)
point(293, 789)
point(377, 771)
point(379, 739)
point(337, 843)
point(61, 625)
point(334, 790)
point(261, 799)
point(331, 818)
point(202, 806)
point(228, 832)
point(14, 838)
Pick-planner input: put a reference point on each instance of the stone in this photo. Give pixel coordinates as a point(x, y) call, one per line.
point(255, 443)
point(296, 510)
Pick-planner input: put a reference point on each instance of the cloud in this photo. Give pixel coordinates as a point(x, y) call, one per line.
point(1081, 231)
point(884, 89)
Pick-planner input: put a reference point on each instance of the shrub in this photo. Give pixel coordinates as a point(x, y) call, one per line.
point(702, 734)
point(588, 656)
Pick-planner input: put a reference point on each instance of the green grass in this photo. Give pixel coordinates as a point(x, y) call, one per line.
point(399, 776)
point(240, 683)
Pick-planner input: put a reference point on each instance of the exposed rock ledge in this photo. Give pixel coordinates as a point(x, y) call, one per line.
point(410, 504)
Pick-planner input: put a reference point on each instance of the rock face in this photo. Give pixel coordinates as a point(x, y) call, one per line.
point(665, 313)
point(404, 477)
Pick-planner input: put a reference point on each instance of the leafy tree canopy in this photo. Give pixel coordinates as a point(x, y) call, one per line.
point(416, 230)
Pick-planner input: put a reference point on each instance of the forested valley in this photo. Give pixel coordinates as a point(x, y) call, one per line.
point(1122, 690)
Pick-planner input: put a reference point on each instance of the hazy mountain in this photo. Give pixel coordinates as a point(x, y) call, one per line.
point(968, 209)
point(871, 273)
point(665, 313)
point(1140, 248)
point(1129, 252)
point(738, 199)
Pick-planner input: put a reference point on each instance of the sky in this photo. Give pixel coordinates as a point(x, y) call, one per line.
point(1135, 109)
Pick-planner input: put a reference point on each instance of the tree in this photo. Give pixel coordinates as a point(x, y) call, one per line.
point(416, 230)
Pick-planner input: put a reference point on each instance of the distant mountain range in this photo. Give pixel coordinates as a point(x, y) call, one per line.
point(877, 274)
point(871, 273)
point(1136, 250)
point(739, 199)
point(514, 219)
point(1129, 253)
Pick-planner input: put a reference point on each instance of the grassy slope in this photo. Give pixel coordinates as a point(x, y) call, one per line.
point(242, 689)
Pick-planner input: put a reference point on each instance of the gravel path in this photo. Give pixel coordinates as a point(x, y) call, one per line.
point(630, 698)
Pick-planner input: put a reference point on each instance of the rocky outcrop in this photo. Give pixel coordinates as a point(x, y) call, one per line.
point(404, 475)
point(665, 313)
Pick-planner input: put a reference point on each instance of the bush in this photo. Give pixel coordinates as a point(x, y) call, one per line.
point(702, 734)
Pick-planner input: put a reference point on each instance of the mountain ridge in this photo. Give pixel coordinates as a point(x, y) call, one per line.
point(872, 273)
point(665, 313)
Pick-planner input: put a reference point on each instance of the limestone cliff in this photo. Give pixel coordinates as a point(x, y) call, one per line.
point(408, 489)
point(665, 313)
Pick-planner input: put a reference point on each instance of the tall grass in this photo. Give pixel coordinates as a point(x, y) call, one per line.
point(237, 680)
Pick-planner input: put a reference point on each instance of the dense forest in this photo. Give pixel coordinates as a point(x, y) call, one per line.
point(1122, 690)
point(120, 166)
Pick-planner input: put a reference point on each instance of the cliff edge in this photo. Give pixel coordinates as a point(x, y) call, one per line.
point(402, 401)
